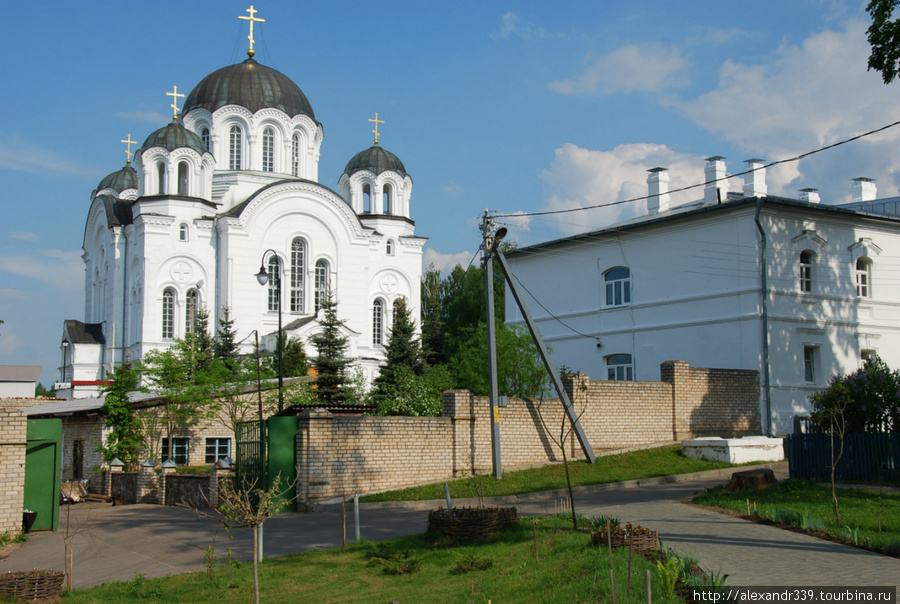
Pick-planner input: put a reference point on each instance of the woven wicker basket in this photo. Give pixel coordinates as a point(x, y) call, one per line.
point(469, 523)
point(32, 584)
point(642, 543)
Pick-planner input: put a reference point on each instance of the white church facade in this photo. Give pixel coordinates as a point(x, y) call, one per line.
point(230, 184)
point(793, 288)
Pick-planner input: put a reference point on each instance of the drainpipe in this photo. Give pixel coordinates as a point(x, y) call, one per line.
point(765, 316)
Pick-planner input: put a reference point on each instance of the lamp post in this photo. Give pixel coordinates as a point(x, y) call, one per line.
point(263, 277)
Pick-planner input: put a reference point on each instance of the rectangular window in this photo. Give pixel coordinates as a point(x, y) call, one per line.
point(809, 363)
point(217, 448)
point(179, 453)
point(620, 367)
point(618, 287)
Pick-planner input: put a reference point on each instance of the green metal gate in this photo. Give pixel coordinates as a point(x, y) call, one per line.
point(250, 455)
point(43, 457)
point(267, 450)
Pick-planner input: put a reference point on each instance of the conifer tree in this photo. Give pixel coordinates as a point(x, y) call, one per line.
point(225, 346)
point(402, 350)
point(331, 347)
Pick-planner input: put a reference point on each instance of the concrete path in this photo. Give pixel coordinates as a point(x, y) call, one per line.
point(114, 543)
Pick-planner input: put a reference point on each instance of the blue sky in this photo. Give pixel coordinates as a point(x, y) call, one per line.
point(514, 106)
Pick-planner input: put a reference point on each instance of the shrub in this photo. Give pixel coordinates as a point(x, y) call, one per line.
point(868, 399)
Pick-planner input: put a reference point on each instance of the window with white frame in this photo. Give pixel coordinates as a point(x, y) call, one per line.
point(179, 451)
point(204, 136)
point(183, 180)
point(268, 154)
point(235, 147)
point(274, 283)
point(810, 364)
point(298, 275)
point(191, 305)
point(217, 448)
point(295, 155)
point(618, 286)
point(378, 322)
point(807, 259)
point(168, 314)
point(389, 247)
point(322, 282)
point(387, 199)
point(160, 178)
point(182, 232)
point(620, 367)
point(864, 277)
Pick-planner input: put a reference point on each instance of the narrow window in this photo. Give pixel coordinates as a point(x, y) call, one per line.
point(235, 147)
point(618, 287)
point(217, 448)
point(204, 136)
point(389, 247)
point(809, 363)
point(160, 178)
point(322, 284)
point(295, 155)
point(274, 283)
point(268, 155)
point(182, 232)
point(378, 322)
point(179, 451)
point(806, 269)
point(191, 304)
point(367, 199)
point(168, 314)
point(298, 274)
point(620, 367)
point(864, 277)
point(386, 199)
point(183, 183)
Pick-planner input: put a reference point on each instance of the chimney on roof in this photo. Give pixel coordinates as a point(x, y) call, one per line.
point(755, 181)
point(658, 188)
point(864, 189)
point(716, 180)
point(810, 195)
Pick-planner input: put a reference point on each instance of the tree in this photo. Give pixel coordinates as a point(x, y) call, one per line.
point(203, 341)
point(295, 362)
point(331, 347)
point(125, 438)
point(414, 395)
point(41, 390)
point(402, 350)
point(884, 38)
point(225, 347)
point(434, 339)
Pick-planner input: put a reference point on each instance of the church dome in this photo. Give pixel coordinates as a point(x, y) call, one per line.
point(174, 136)
point(119, 181)
point(376, 160)
point(249, 85)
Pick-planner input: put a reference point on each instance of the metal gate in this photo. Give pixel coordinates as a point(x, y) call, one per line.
point(250, 455)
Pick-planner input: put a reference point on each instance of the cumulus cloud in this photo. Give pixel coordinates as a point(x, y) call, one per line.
point(60, 268)
point(629, 68)
point(23, 156)
point(512, 25)
point(809, 95)
point(446, 262)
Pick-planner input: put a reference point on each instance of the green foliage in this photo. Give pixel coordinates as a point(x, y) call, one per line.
point(668, 574)
point(394, 563)
point(126, 437)
point(331, 347)
point(402, 351)
point(521, 373)
point(434, 338)
point(415, 395)
point(470, 562)
point(225, 347)
point(143, 588)
point(867, 400)
point(294, 362)
point(811, 522)
point(41, 390)
point(884, 38)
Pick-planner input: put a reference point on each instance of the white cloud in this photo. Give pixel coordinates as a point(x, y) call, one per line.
point(579, 178)
point(22, 156)
point(24, 236)
point(62, 269)
point(147, 117)
point(629, 68)
point(808, 96)
point(446, 262)
point(512, 25)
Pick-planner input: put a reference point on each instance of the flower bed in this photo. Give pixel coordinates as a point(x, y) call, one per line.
point(642, 539)
point(32, 584)
point(469, 523)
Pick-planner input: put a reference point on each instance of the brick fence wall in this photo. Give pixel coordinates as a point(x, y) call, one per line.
point(13, 427)
point(346, 455)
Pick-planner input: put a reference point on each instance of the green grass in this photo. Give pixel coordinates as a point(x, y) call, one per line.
point(873, 518)
point(568, 570)
point(660, 461)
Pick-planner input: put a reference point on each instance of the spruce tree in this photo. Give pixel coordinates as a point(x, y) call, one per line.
point(331, 347)
point(226, 348)
point(402, 349)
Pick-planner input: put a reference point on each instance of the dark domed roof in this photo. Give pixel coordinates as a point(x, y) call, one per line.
point(123, 179)
point(174, 136)
point(249, 85)
point(375, 159)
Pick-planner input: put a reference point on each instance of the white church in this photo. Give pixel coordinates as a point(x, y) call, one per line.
point(232, 183)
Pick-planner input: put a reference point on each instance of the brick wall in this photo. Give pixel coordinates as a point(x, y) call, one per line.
point(13, 426)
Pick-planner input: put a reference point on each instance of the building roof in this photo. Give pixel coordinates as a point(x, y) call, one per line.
point(83, 333)
point(120, 180)
point(377, 160)
point(174, 136)
point(251, 85)
point(20, 373)
point(69, 406)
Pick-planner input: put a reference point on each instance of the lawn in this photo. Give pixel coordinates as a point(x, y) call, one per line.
point(660, 461)
point(867, 517)
point(541, 562)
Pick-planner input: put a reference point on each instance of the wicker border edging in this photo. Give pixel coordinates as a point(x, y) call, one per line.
point(32, 584)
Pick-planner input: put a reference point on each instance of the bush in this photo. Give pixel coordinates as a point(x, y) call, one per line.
point(415, 395)
point(868, 399)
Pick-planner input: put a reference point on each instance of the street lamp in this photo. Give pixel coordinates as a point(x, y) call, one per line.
point(263, 277)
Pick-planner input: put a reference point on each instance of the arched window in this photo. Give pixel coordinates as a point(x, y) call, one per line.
point(235, 148)
point(807, 258)
point(183, 184)
point(298, 275)
point(386, 199)
point(168, 314)
point(160, 178)
point(268, 154)
point(322, 285)
point(864, 277)
point(367, 198)
point(274, 283)
point(295, 155)
point(204, 136)
point(618, 286)
point(378, 322)
point(389, 247)
point(620, 367)
point(191, 304)
point(183, 232)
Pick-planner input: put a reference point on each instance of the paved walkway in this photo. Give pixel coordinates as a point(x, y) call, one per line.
point(114, 543)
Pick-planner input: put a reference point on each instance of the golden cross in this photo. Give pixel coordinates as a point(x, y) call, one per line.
point(128, 142)
point(251, 19)
point(174, 94)
point(376, 121)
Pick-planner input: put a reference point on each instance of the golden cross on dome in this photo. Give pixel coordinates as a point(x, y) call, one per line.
point(251, 19)
point(174, 94)
point(128, 142)
point(376, 121)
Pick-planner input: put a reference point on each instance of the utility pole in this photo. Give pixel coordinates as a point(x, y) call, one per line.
point(488, 245)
